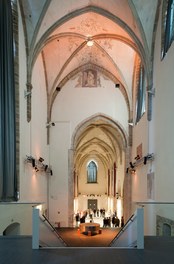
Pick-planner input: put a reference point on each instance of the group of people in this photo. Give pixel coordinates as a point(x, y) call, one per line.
point(107, 221)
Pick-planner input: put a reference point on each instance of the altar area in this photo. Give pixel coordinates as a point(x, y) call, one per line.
point(90, 228)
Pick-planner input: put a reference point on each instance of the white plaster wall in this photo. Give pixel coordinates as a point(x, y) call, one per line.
point(76, 104)
point(139, 179)
point(16, 214)
point(163, 121)
point(58, 195)
point(71, 107)
point(100, 187)
point(24, 125)
point(33, 186)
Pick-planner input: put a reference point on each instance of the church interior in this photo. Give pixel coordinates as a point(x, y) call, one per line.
point(100, 143)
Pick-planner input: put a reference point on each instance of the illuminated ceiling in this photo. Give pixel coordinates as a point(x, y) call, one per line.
point(120, 30)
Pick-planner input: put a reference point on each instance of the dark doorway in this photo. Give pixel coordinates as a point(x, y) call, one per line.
point(92, 204)
point(166, 230)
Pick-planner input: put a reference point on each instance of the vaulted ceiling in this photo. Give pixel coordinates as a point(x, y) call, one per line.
point(120, 31)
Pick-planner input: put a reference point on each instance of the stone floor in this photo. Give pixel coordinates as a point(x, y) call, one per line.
point(74, 238)
point(18, 250)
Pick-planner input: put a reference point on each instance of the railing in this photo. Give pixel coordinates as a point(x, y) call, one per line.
point(158, 218)
point(16, 218)
point(132, 234)
point(44, 233)
point(46, 220)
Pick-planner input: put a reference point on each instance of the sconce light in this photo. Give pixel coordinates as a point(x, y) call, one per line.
point(131, 165)
point(145, 160)
point(133, 171)
point(36, 169)
point(137, 157)
point(38, 165)
point(131, 124)
point(41, 159)
point(50, 124)
point(33, 162)
point(46, 167)
point(148, 157)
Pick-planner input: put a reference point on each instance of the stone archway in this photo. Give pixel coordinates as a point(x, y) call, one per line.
point(13, 229)
point(86, 143)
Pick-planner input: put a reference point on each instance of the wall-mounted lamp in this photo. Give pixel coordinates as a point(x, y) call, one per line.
point(31, 160)
point(50, 124)
point(131, 124)
point(137, 157)
point(148, 157)
point(38, 165)
point(133, 171)
point(46, 167)
point(36, 169)
point(41, 159)
point(131, 165)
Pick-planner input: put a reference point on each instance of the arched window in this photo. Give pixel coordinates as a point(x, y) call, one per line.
point(167, 35)
point(92, 172)
point(140, 104)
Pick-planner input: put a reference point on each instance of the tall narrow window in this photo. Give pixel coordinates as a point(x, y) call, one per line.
point(141, 92)
point(8, 176)
point(167, 35)
point(92, 172)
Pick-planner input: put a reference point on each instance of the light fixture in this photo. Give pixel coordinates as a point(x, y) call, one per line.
point(50, 124)
point(130, 123)
point(36, 169)
point(131, 165)
point(133, 171)
point(46, 167)
point(137, 157)
point(89, 42)
point(41, 159)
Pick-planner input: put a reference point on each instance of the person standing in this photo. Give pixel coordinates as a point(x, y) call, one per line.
point(122, 221)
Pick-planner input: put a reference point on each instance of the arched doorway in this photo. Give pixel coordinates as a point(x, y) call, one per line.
point(166, 230)
point(12, 230)
point(101, 143)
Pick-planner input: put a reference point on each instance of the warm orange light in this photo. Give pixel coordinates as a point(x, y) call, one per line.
point(90, 42)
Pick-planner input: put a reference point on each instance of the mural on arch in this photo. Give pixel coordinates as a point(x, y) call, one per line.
point(88, 78)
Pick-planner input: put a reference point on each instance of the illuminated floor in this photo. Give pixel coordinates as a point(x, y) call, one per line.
point(74, 238)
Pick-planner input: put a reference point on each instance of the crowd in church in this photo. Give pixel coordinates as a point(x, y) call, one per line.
point(109, 220)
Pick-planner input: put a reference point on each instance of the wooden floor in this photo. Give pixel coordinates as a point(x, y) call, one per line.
point(73, 238)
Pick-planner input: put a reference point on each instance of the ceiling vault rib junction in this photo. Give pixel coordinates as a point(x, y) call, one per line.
point(34, 53)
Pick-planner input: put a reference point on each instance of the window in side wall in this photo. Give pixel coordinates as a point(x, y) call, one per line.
point(92, 172)
point(167, 30)
point(141, 94)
